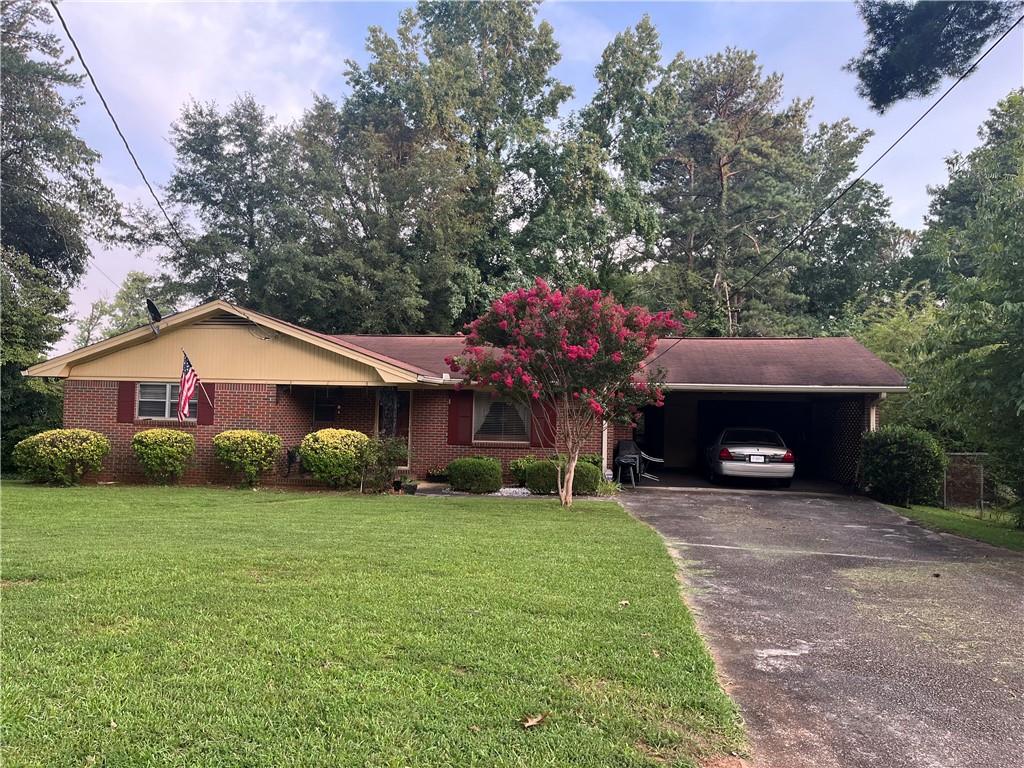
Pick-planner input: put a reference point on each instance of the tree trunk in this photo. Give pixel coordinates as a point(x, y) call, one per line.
point(565, 487)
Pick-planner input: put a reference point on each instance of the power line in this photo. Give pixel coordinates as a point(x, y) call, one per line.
point(879, 159)
point(803, 230)
point(117, 128)
point(97, 268)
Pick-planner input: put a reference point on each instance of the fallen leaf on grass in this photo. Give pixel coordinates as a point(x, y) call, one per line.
point(655, 653)
point(532, 721)
point(113, 725)
point(623, 603)
point(475, 728)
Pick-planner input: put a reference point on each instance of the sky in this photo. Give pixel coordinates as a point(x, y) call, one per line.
point(151, 58)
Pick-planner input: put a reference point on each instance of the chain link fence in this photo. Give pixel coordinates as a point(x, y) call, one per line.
point(967, 483)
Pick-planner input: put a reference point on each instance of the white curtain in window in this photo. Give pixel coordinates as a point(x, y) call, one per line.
point(497, 419)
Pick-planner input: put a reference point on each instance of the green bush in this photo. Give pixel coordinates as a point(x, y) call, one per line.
point(163, 453)
point(246, 452)
point(902, 465)
point(542, 477)
point(61, 456)
point(592, 458)
point(518, 468)
point(379, 459)
point(476, 474)
point(333, 456)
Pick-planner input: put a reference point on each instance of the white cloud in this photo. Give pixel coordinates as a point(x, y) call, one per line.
point(150, 58)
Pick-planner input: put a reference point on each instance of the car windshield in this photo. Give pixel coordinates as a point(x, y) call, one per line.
point(752, 437)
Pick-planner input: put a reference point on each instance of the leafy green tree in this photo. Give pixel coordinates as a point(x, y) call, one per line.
point(33, 320)
point(597, 223)
point(978, 343)
point(233, 176)
point(419, 186)
point(898, 327)
point(733, 173)
point(913, 45)
point(52, 204)
point(943, 252)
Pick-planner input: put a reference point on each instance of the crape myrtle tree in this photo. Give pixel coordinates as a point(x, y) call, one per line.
point(578, 355)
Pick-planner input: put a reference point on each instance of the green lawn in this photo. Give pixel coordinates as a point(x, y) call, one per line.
point(1001, 533)
point(157, 627)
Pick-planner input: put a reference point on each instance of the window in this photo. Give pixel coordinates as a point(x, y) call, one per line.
point(395, 423)
point(765, 437)
point(160, 401)
point(497, 420)
point(394, 408)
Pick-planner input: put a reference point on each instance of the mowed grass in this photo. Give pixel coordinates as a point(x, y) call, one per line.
point(998, 532)
point(159, 627)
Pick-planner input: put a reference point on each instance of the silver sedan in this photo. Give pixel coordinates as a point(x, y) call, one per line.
point(751, 452)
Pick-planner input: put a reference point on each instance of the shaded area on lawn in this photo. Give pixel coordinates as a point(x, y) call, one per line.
point(193, 626)
point(999, 532)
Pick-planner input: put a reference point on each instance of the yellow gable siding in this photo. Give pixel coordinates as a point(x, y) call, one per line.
point(237, 353)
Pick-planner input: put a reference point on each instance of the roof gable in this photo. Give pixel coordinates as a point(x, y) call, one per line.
point(288, 352)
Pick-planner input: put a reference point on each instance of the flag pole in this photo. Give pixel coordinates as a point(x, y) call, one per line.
point(209, 402)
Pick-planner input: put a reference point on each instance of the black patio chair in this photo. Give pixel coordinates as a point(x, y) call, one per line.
point(629, 457)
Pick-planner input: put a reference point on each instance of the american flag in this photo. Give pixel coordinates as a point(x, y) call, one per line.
point(189, 380)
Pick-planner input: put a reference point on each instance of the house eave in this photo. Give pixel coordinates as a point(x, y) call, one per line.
point(836, 389)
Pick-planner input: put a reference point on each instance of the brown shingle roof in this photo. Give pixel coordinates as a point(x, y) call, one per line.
point(815, 362)
point(716, 362)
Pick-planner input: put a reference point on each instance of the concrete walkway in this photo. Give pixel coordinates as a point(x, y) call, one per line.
point(848, 636)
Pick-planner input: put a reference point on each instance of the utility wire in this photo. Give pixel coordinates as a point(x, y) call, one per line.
point(803, 230)
point(117, 128)
point(879, 159)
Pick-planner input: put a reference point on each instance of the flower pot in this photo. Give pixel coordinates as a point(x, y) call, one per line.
point(396, 485)
point(409, 488)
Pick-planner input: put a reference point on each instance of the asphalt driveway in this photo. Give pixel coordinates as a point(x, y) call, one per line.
point(849, 636)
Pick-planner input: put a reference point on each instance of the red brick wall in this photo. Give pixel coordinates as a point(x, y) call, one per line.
point(281, 410)
point(429, 437)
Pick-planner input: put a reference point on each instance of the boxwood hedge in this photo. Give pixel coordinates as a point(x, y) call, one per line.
point(163, 453)
point(61, 456)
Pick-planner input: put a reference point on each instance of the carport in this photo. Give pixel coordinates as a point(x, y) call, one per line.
point(820, 394)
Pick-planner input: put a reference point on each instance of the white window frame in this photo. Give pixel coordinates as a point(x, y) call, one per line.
point(479, 414)
point(167, 401)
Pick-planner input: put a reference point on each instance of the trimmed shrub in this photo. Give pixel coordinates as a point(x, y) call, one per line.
point(379, 459)
point(163, 453)
point(333, 456)
point(592, 458)
point(476, 474)
point(61, 456)
point(902, 465)
point(518, 468)
point(247, 453)
point(542, 478)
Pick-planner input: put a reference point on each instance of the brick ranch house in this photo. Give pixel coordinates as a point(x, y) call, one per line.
point(262, 373)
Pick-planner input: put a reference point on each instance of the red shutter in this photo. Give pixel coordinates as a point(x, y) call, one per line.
point(460, 418)
point(543, 426)
point(205, 415)
point(126, 401)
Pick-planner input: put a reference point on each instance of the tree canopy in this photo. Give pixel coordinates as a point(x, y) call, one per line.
point(447, 176)
point(53, 204)
point(911, 46)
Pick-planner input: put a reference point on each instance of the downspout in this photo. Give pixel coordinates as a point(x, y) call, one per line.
point(607, 471)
